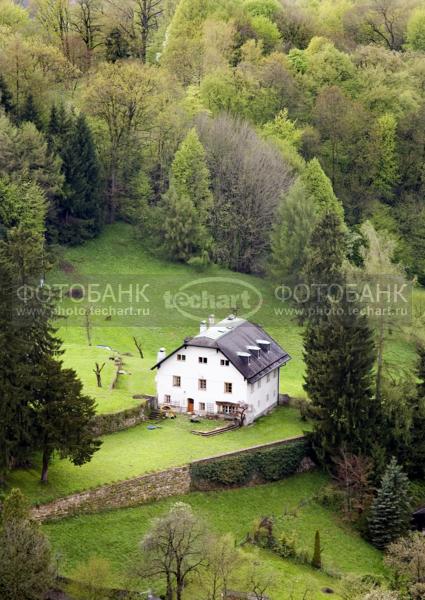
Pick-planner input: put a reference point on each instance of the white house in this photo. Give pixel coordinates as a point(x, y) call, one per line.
point(227, 365)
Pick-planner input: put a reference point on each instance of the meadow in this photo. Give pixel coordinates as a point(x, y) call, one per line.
point(117, 260)
point(139, 450)
point(115, 535)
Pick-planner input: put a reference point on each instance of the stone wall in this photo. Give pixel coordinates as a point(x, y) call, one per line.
point(112, 422)
point(139, 490)
point(122, 494)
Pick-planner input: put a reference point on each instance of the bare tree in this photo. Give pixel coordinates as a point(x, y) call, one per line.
point(97, 371)
point(138, 344)
point(260, 579)
point(174, 549)
point(353, 476)
point(138, 19)
point(85, 21)
point(248, 179)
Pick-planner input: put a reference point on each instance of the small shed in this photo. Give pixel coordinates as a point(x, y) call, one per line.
point(419, 519)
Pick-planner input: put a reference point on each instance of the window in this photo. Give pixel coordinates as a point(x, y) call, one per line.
point(210, 407)
point(202, 406)
point(181, 357)
point(202, 384)
point(228, 409)
point(202, 359)
point(224, 362)
point(167, 398)
point(228, 387)
point(177, 380)
point(259, 383)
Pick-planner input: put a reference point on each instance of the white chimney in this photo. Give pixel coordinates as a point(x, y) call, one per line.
point(254, 350)
point(161, 355)
point(203, 327)
point(211, 320)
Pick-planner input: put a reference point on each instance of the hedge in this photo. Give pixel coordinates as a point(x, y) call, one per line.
point(267, 465)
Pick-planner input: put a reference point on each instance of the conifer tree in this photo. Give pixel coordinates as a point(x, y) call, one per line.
point(391, 512)
point(417, 446)
point(339, 356)
point(318, 188)
point(324, 264)
point(63, 416)
point(384, 156)
point(188, 202)
point(80, 209)
point(6, 100)
point(26, 571)
point(30, 113)
point(116, 45)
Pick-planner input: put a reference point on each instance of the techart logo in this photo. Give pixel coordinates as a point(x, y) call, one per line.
point(222, 294)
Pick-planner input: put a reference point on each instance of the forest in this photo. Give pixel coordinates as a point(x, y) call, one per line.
point(277, 140)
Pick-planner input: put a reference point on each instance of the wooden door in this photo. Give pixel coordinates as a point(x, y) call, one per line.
point(190, 405)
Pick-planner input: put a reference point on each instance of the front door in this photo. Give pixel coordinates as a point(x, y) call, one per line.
point(190, 405)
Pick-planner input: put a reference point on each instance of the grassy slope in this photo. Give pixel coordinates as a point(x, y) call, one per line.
point(135, 451)
point(116, 254)
point(115, 534)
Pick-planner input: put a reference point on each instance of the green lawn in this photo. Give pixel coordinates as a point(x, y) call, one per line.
point(117, 258)
point(115, 534)
point(139, 450)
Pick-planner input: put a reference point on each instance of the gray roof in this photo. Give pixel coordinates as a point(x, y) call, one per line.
point(232, 337)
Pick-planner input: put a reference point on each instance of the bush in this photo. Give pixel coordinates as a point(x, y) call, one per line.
point(267, 465)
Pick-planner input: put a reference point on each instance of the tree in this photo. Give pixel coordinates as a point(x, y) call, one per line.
point(122, 97)
point(339, 356)
point(55, 18)
point(64, 416)
point(318, 188)
point(30, 113)
point(390, 512)
point(223, 564)
point(248, 178)
point(116, 46)
point(291, 233)
point(79, 210)
point(85, 20)
point(6, 100)
point(174, 548)
point(25, 558)
point(383, 157)
point(353, 476)
point(323, 266)
point(189, 201)
point(316, 561)
point(406, 557)
point(97, 371)
point(416, 30)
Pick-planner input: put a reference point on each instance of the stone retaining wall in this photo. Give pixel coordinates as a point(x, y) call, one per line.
point(122, 494)
point(138, 490)
point(111, 422)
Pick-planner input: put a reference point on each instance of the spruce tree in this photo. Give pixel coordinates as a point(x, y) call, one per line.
point(26, 571)
point(339, 357)
point(416, 450)
point(323, 269)
point(391, 512)
point(80, 208)
point(6, 100)
point(63, 415)
point(189, 201)
point(30, 113)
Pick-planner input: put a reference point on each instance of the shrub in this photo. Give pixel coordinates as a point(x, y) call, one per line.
point(268, 465)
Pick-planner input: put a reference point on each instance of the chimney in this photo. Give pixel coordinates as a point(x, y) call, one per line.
point(255, 350)
point(244, 356)
point(161, 355)
point(264, 345)
point(203, 327)
point(211, 320)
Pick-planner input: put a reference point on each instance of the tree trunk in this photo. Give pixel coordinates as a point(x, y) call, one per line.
point(45, 466)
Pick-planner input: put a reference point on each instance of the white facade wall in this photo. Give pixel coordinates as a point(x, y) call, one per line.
point(260, 396)
point(191, 371)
